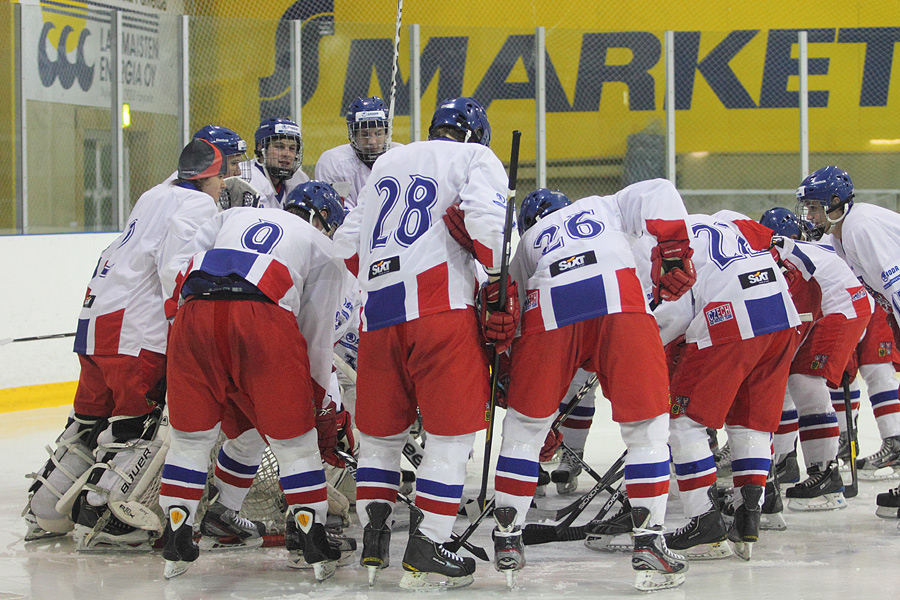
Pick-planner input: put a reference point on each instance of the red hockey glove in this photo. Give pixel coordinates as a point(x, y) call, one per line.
point(455, 220)
point(498, 323)
point(346, 441)
point(551, 445)
point(672, 270)
point(326, 428)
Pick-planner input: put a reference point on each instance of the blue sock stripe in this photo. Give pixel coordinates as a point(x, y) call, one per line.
point(647, 470)
point(518, 466)
point(789, 415)
point(303, 480)
point(750, 464)
point(818, 419)
point(232, 465)
point(175, 473)
point(435, 488)
point(883, 397)
point(694, 467)
point(373, 475)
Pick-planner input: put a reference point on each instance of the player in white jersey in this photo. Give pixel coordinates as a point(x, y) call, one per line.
point(275, 169)
point(347, 167)
point(584, 307)
point(420, 345)
point(261, 290)
point(732, 371)
point(121, 343)
point(868, 238)
point(840, 310)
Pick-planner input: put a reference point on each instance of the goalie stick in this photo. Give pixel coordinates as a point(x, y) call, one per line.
point(851, 490)
point(476, 551)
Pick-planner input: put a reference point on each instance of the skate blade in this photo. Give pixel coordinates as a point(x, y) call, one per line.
point(298, 562)
point(433, 581)
point(607, 543)
point(323, 570)
point(541, 491)
point(510, 579)
point(772, 522)
point(712, 551)
point(37, 534)
point(887, 512)
point(569, 487)
point(372, 573)
point(174, 568)
point(648, 581)
point(743, 550)
point(882, 474)
point(824, 502)
point(226, 544)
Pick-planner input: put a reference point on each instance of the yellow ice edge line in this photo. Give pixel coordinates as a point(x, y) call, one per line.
point(37, 396)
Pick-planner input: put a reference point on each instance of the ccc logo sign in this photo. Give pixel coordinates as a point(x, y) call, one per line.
point(62, 68)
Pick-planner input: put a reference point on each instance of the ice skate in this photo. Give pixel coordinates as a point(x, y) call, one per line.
point(657, 567)
point(788, 470)
point(429, 565)
point(179, 548)
point(612, 535)
point(723, 461)
point(543, 481)
point(884, 464)
point(704, 537)
point(822, 490)
point(98, 530)
point(337, 538)
point(509, 551)
point(565, 476)
point(888, 504)
point(224, 529)
point(843, 453)
point(744, 530)
point(305, 536)
point(772, 508)
point(376, 540)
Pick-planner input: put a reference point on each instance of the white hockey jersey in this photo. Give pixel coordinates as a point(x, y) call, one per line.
point(263, 184)
point(123, 309)
point(287, 259)
point(576, 263)
point(740, 292)
point(409, 265)
point(870, 243)
point(341, 167)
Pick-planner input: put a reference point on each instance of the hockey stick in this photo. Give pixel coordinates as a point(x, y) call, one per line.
point(36, 338)
point(536, 533)
point(476, 551)
point(394, 68)
point(504, 273)
point(613, 474)
point(853, 489)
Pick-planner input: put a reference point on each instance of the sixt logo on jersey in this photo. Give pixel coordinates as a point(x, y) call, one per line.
point(749, 280)
point(573, 262)
point(719, 314)
point(383, 267)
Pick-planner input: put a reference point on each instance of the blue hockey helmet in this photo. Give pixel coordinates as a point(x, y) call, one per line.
point(319, 199)
point(538, 204)
point(465, 115)
point(367, 128)
point(272, 130)
point(822, 193)
point(230, 143)
point(784, 223)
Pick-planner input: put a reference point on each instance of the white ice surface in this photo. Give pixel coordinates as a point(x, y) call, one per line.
point(845, 554)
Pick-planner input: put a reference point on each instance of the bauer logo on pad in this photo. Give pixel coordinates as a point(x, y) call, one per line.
point(383, 267)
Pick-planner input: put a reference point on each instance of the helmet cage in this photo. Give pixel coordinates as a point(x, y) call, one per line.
point(367, 115)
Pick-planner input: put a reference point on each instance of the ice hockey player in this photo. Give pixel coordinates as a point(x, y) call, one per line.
point(868, 238)
point(347, 167)
point(739, 333)
point(260, 294)
point(584, 308)
point(420, 344)
point(840, 310)
point(121, 343)
point(275, 169)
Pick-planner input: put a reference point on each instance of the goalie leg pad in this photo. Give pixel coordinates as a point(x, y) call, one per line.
point(71, 459)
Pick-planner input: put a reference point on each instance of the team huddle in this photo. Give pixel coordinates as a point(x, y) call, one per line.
point(325, 319)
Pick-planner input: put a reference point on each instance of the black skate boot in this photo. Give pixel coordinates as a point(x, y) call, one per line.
point(303, 535)
point(543, 481)
point(822, 490)
point(98, 530)
point(744, 530)
point(509, 551)
point(704, 536)
point(376, 540)
point(565, 476)
point(657, 567)
point(888, 504)
point(429, 565)
point(788, 470)
point(884, 464)
point(612, 535)
point(224, 529)
point(772, 507)
point(179, 548)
